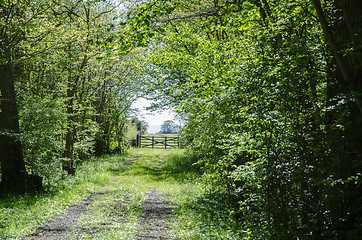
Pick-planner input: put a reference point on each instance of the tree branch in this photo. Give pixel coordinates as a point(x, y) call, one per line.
point(332, 42)
point(210, 12)
point(341, 63)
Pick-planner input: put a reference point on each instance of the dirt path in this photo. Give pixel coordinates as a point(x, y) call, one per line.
point(132, 161)
point(155, 211)
point(156, 216)
point(66, 223)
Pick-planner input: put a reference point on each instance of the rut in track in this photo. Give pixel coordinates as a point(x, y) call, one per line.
point(157, 213)
point(64, 224)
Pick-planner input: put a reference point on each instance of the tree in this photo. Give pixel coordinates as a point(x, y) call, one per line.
point(13, 172)
point(90, 79)
point(343, 34)
point(119, 86)
point(60, 60)
point(141, 125)
point(169, 126)
point(14, 176)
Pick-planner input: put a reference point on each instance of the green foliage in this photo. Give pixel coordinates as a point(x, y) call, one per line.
point(138, 25)
point(252, 81)
point(206, 215)
point(141, 125)
point(74, 94)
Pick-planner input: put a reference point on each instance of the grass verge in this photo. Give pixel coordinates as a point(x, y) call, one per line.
point(20, 215)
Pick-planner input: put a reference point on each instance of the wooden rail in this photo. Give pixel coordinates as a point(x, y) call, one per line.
point(157, 142)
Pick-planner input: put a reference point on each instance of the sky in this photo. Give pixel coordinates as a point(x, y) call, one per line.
point(155, 118)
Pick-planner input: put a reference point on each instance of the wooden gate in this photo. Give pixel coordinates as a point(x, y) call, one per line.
point(157, 142)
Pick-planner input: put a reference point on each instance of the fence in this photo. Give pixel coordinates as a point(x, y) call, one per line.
point(157, 142)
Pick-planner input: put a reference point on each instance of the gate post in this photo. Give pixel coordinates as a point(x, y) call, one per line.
point(138, 141)
point(153, 141)
point(165, 142)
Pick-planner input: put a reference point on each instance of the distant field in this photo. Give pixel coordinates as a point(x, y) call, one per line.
point(160, 135)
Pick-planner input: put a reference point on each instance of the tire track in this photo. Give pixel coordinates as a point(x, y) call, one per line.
point(155, 220)
point(66, 223)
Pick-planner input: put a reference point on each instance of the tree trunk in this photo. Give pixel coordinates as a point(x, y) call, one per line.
point(343, 36)
point(68, 155)
point(14, 175)
point(100, 146)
